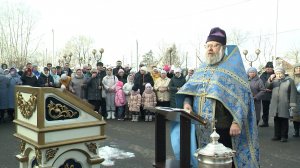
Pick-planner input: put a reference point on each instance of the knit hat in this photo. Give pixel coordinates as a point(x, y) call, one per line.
point(269, 65)
point(177, 70)
point(135, 87)
point(77, 68)
point(109, 67)
point(148, 85)
point(46, 69)
point(63, 77)
point(121, 70)
point(218, 35)
point(155, 69)
point(120, 84)
point(297, 65)
point(12, 69)
point(252, 69)
point(141, 65)
point(163, 72)
point(279, 69)
point(167, 68)
point(132, 71)
point(94, 70)
point(144, 68)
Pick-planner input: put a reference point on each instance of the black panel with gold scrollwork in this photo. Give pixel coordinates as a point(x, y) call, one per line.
point(71, 163)
point(57, 110)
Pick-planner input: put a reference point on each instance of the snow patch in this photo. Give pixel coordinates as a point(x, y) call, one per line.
point(110, 154)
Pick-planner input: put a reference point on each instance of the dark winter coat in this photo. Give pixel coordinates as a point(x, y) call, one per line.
point(29, 80)
point(93, 90)
point(174, 86)
point(258, 90)
point(43, 79)
point(264, 77)
point(283, 96)
point(3, 91)
point(141, 80)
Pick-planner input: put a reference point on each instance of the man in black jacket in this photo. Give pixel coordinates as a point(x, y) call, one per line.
point(267, 96)
point(101, 74)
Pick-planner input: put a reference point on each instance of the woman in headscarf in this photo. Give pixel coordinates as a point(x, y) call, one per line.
point(14, 79)
point(177, 81)
point(257, 89)
point(78, 83)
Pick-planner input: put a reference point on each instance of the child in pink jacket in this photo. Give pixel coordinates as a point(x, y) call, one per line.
point(120, 100)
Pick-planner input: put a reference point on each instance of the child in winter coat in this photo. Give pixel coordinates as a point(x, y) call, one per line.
point(127, 89)
point(148, 101)
point(134, 103)
point(120, 100)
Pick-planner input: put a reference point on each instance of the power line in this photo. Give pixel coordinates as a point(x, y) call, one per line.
point(271, 34)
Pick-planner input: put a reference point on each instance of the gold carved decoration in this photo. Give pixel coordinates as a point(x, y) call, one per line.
point(26, 107)
point(92, 147)
point(57, 110)
point(38, 156)
point(50, 154)
point(22, 146)
point(67, 166)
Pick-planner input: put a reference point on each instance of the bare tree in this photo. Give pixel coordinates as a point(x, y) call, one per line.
point(237, 37)
point(293, 54)
point(149, 59)
point(171, 56)
point(16, 33)
point(80, 46)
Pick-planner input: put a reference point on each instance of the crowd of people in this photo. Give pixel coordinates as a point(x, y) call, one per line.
point(278, 94)
point(118, 92)
point(220, 90)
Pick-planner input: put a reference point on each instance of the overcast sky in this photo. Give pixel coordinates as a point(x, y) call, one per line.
point(115, 25)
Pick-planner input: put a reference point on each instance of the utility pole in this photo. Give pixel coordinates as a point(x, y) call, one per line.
point(53, 46)
point(276, 32)
point(137, 55)
point(186, 60)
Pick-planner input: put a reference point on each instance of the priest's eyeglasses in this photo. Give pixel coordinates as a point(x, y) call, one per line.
point(207, 46)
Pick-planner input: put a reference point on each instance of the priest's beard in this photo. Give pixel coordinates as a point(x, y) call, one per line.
point(215, 58)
